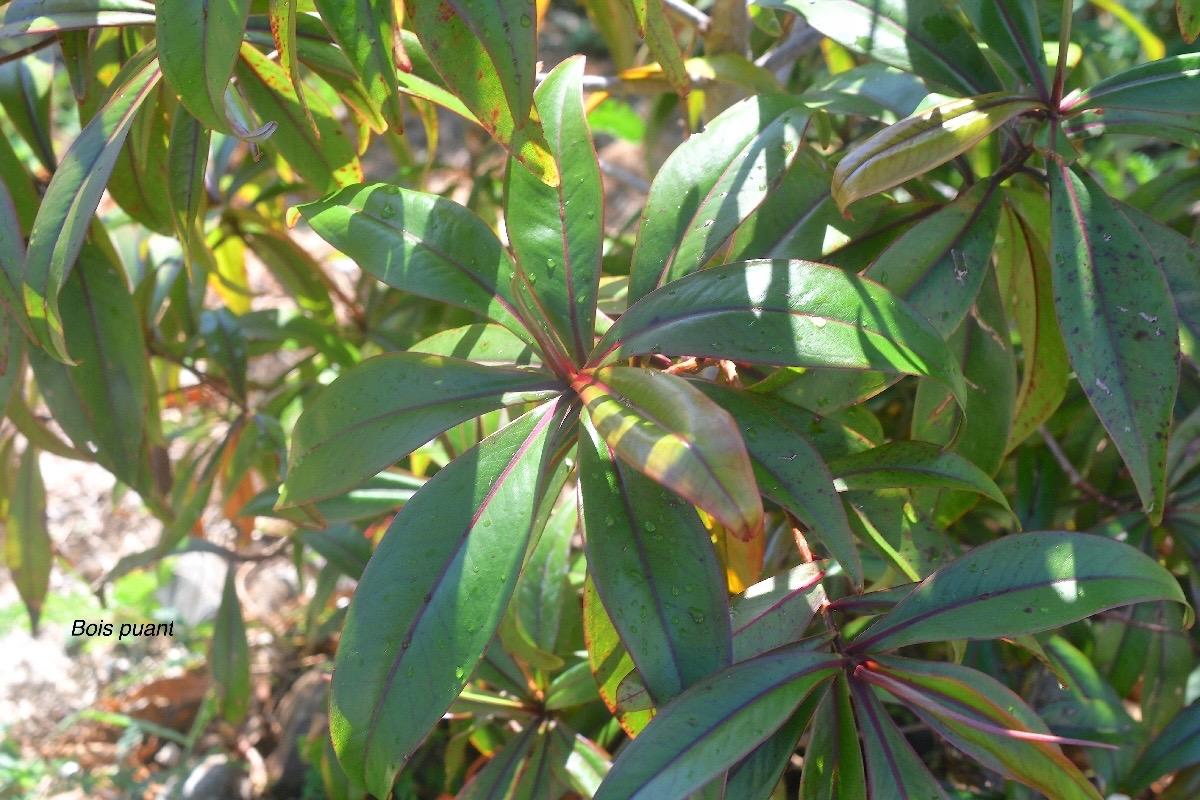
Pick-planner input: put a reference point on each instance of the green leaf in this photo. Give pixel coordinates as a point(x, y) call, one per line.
point(423, 244)
point(651, 19)
point(71, 198)
point(980, 434)
point(557, 233)
point(758, 775)
point(12, 266)
point(229, 655)
point(28, 551)
point(799, 219)
point(1177, 747)
point(198, 47)
point(937, 265)
point(376, 496)
point(101, 404)
point(710, 727)
point(187, 159)
point(495, 780)
point(666, 429)
point(1119, 326)
point(1012, 30)
point(486, 51)
point(541, 591)
point(324, 158)
point(25, 96)
point(427, 606)
point(282, 16)
point(711, 183)
point(384, 408)
point(364, 31)
point(1023, 266)
point(891, 763)
point(586, 764)
point(833, 765)
point(924, 37)
point(775, 612)
point(984, 719)
point(1188, 14)
point(1022, 583)
point(344, 547)
point(54, 16)
point(916, 145)
point(786, 313)
point(913, 464)
point(655, 572)
point(1162, 85)
point(610, 662)
point(483, 343)
point(789, 470)
point(1177, 256)
point(141, 169)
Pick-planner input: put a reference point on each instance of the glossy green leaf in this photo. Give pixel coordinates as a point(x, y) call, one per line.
point(874, 91)
point(980, 434)
point(540, 595)
point(833, 765)
point(789, 470)
point(25, 97)
point(714, 724)
point(225, 346)
point(325, 159)
point(1180, 127)
point(28, 552)
point(776, 611)
point(1022, 583)
point(937, 265)
point(1024, 266)
point(187, 159)
point(102, 403)
point(74, 192)
point(557, 233)
point(282, 16)
point(652, 23)
point(655, 572)
point(1177, 256)
point(924, 37)
point(298, 273)
point(586, 764)
point(904, 536)
point(19, 183)
point(423, 244)
point(1177, 747)
point(1012, 30)
point(786, 313)
point(1119, 326)
point(427, 606)
point(53, 16)
point(913, 464)
point(198, 48)
point(381, 410)
point(1188, 14)
point(1087, 706)
point(758, 775)
point(891, 763)
point(486, 51)
point(799, 219)
point(916, 145)
point(229, 655)
point(365, 32)
point(711, 183)
point(483, 343)
point(1147, 646)
point(984, 719)
point(663, 427)
point(1162, 85)
point(376, 496)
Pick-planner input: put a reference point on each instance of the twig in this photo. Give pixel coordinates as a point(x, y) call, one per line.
point(1077, 480)
point(622, 175)
point(801, 39)
point(690, 14)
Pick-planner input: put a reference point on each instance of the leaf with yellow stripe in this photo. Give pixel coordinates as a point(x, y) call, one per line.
point(672, 433)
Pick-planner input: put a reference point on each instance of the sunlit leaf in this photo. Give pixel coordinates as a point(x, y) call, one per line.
point(661, 426)
point(1023, 583)
point(408, 612)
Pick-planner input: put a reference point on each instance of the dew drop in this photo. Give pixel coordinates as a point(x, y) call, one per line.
point(387, 211)
point(459, 672)
point(697, 615)
point(649, 526)
point(526, 20)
